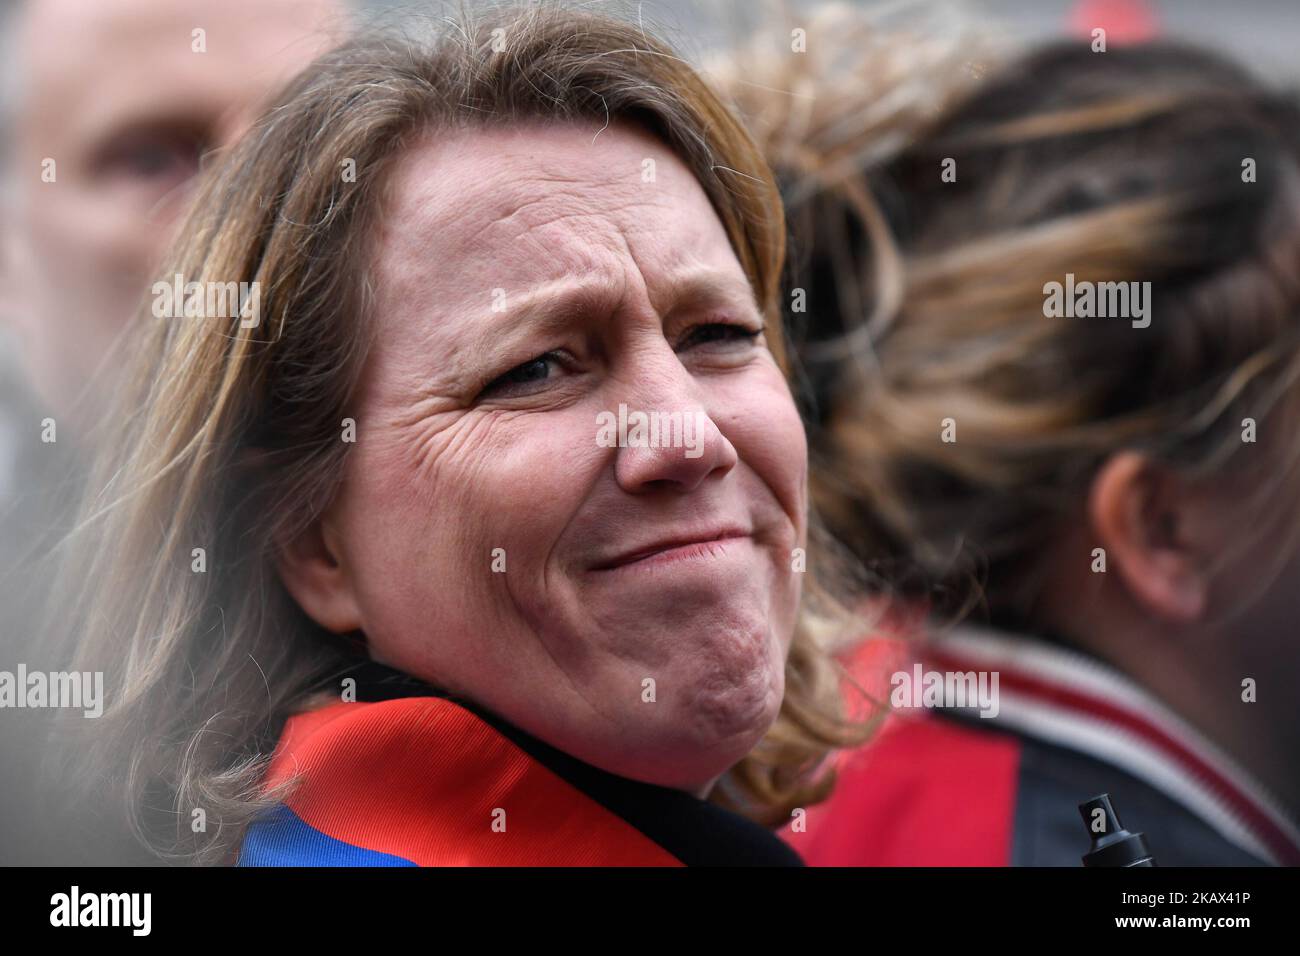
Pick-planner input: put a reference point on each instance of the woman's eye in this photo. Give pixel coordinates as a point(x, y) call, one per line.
point(519, 379)
point(718, 332)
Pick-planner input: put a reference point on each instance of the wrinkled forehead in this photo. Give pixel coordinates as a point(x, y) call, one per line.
point(517, 207)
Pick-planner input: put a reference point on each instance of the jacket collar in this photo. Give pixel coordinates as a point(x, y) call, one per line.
point(696, 832)
point(1069, 699)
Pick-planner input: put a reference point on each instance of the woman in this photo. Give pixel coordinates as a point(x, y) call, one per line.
point(371, 568)
point(1116, 473)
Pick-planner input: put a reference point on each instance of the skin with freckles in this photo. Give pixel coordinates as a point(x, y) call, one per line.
point(528, 280)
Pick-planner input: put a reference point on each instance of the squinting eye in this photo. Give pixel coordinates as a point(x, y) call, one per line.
point(719, 332)
point(521, 376)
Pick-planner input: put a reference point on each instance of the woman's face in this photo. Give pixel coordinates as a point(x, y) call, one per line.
point(632, 605)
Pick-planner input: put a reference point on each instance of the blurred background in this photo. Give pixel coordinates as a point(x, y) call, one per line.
point(85, 250)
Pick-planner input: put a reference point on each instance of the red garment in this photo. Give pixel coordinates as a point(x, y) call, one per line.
point(952, 788)
point(409, 776)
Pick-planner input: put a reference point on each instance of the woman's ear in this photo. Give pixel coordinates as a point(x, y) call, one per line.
point(1140, 512)
point(314, 572)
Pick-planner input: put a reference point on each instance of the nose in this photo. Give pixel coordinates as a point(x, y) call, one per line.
point(667, 440)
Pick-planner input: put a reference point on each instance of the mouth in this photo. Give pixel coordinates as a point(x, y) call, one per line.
point(683, 547)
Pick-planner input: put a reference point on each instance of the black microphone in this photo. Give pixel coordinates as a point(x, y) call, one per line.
point(1112, 845)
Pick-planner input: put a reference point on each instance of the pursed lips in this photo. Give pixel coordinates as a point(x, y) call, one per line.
point(687, 543)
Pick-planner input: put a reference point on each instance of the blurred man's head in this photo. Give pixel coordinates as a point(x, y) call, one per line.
point(111, 107)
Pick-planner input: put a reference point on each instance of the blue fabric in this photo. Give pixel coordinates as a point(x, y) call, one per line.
point(282, 838)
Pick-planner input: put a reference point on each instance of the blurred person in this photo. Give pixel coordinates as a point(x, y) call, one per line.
point(109, 111)
point(440, 619)
point(113, 107)
point(1116, 493)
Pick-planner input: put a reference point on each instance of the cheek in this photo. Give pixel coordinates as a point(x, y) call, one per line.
point(764, 426)
point(455, 523)
point(760, 419)
point(96, 256)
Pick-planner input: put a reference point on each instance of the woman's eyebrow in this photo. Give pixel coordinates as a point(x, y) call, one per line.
point(708, 287)
point(542, 310)
point(554, 306)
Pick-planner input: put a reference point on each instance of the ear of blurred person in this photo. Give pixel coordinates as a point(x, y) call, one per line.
point(1156, 535)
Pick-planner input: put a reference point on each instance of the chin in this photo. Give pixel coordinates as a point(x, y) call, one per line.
point(731, 714)
point(707, 719)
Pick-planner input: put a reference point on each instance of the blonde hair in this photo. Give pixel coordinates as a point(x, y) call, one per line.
point(876, 82)
point(228, 436)
point(1127, 167)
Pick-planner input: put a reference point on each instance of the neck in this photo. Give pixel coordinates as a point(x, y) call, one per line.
point(1200, 677)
